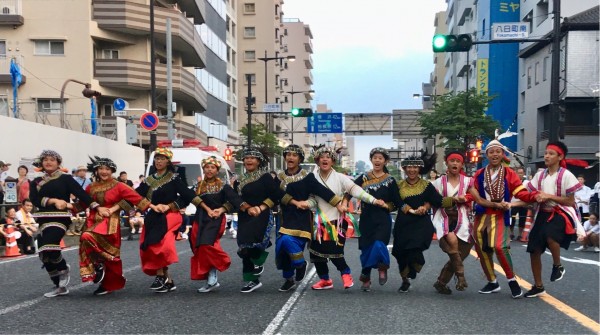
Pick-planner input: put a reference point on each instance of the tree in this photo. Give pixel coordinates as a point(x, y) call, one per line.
point(459, 118)
point(266, 142)
point(361, 167)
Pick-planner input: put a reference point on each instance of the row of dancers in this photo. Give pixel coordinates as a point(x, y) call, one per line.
point(313, 212)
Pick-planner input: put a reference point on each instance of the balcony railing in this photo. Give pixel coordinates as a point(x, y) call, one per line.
point(573, 131)
point(134, 18)
point(5, 77)
point(135, 75)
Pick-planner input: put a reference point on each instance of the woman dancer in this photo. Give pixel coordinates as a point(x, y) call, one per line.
point(257, 188)
point(51, 194)
point(100, 242)
point(168, 193)
point(413, 230)
point(218, 198)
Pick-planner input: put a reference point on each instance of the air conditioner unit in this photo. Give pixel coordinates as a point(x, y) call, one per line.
point(9, 10)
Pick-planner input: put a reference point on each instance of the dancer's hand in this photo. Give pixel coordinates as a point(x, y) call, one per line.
point(218, 212)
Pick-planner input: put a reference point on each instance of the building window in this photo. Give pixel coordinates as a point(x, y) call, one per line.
point(276, 33)
point(48, 106)
point(529, 77)
point(110, 54)
point(541, 12)
point(249, 32)
point(285, 32)
point(536, 70)
point(483, 28)
point(49, 47)
point(545, 69)
point(2, 49)
point(249, 55)
point(249, 8)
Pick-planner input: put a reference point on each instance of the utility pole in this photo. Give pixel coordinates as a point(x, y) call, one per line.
point(557, 118)
point(249, 109)
point(152, 74)
point(170, 130)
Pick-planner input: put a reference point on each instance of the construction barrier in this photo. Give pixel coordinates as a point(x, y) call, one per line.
point(527, 228)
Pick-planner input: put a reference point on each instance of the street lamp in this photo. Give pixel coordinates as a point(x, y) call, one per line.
point(292, 92)
point(265, 60)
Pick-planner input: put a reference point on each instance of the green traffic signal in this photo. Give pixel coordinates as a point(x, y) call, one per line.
point(295, 112)
point(301, 112)
point(452, 43)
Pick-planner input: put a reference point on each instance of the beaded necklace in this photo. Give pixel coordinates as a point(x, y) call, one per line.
point(494, 188)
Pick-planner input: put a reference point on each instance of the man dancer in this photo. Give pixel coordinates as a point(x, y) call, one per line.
point(296, 186)
point(497, 184)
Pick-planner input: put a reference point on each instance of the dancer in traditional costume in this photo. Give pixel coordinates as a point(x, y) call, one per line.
point(296, 217)
point(168, 194)
point(498, 184)
point(100, 242)
point(51, 194)
point(453, 225)
point(557, 222)
point(413, 230)
point(330, 230)
point(375, 221)
point(209, 224)
point(258, 190)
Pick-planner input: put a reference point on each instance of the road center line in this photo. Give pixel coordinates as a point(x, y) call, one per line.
point(552, 301)
point(283, 312)
point(77, 287)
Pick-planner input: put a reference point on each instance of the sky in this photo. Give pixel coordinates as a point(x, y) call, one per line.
point(369, 57)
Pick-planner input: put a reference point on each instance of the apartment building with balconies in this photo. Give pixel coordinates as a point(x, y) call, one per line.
point(106, 43)
point(460, 66)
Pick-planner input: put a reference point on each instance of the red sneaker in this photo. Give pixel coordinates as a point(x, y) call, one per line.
point(348, 282)
point(323, 285)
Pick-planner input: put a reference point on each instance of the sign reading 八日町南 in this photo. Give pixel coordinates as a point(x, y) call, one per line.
point(509, 30)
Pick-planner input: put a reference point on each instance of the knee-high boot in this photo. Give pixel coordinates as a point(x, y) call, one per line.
point(459, 270)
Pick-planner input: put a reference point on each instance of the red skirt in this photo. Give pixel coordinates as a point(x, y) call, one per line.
point(95, 248)
point(164, 253)
point(207, 256)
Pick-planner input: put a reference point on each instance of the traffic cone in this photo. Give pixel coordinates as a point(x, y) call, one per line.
point(434, 237)
point(527, 228)
point(12, 250)
point(62, 244)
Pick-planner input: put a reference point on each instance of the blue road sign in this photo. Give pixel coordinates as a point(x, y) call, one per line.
point(119, 104)
point(149, 121)
point(325, 123)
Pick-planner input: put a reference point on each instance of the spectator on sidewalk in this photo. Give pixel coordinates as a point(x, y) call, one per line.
point(22, 184)
point(81, 179)
point(123, 179)
point(582, 198)
point(592, 233)
point(3, 175)
point(137, 183)
point(27, 226)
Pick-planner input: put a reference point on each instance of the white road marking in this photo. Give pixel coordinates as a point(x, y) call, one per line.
point(283, 312)
point(77, 287)
point(577, 260)
point(10, 260)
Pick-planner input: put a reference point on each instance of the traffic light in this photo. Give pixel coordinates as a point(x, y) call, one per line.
point(89, 93)
point(478, 144)
point(474, 156)
point(452, 43)
point(228, 154)
point(301, 112)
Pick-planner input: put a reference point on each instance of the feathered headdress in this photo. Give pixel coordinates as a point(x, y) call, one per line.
point(97, 162)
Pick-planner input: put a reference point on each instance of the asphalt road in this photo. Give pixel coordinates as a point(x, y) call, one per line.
point(570, 307)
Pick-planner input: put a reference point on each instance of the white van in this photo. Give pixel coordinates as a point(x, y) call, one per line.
point(188, 154)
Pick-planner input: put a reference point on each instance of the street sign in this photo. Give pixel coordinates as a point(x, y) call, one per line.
point(509, 30)
point(270, 108)
point(325, 123)
point(149, 121)
point(10, 192)
point(119, 104)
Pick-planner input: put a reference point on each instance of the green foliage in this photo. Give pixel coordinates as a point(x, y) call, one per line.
point(458, 123)
point(266, 142)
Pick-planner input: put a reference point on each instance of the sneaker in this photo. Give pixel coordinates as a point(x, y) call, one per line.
point(323, 284)
point(167, 287)
point(490, 288)
point(258, 270)
point(64, 278)
point(101, 291)
point(442, 288)
point(347, 279)
point(140, 230)
point(581, 248)
point(404, 287)
point(301, 272)
point(99, 274)
point(287, 285)
point(133, 231)
point(515, 289)
point(184, 236)
point(70, 233)
point(557, 272)
point(366, 286)
point(535, 291)
point(207, 288)
point(251, 286)
point(56, 292)
point(234, 234)
point(159, 282)
point(596, 249)
point(383, 276)
point(212, 277)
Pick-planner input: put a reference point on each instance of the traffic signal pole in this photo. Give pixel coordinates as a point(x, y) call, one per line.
point(249, 109)
point(556, 117)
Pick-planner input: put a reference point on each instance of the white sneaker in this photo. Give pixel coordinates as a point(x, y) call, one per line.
point(57, 291)
point(212, 277)
point(64, 278)
point(184, 236)
point(207, 288)
point(133, 231)
point(234, 234)
point(581, 248)
point(596, 249)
